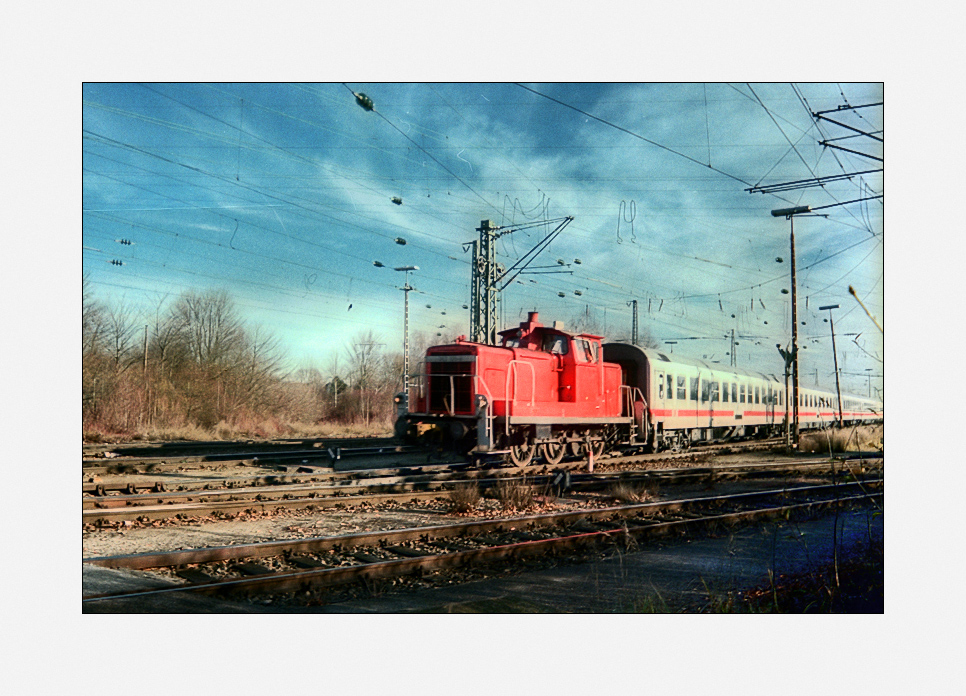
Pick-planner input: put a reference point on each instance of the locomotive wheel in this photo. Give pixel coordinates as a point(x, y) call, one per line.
point(553, 452)
point(521, 455)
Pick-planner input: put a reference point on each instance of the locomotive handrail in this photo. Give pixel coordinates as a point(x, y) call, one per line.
point(627, 392)
point(627, 405)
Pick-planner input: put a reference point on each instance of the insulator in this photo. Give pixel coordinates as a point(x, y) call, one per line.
point(364, 101)
point(397, 200)
point(400, 240)
point(116, 262)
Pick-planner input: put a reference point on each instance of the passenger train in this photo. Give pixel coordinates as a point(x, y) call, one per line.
point(547, 392)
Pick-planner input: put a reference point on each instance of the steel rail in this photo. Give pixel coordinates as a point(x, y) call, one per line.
point(298, 580)
point(264, 549)
point(126, 507)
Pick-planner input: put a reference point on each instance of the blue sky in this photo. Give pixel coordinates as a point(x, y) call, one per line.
point(281, 194)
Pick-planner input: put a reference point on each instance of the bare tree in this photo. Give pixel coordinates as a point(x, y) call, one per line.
point(121, 324)
point(210, 327)
point(92, 319)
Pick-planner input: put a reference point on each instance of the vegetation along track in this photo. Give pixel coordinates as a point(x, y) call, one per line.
point(300, 565)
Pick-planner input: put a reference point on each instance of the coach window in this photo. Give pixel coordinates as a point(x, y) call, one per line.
point(670, 387)
point(724, 392)
point(734, 392)
point(682, 389)
point(756, 396)
point(742, 387)
point(660, 386)
point(694, 389)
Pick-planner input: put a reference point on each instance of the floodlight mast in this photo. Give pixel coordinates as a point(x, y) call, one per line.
point(789, 214)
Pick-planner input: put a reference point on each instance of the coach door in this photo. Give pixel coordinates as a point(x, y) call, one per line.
point(770, 407)
point(658, 392)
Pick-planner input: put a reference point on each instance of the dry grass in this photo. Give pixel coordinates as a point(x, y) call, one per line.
point(513, 495)
point(631, 493)
point(860, 438)
point(265, 429)
point(465, 498)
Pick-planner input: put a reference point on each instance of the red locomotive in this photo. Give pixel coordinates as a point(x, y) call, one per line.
point(549, 392)
point(543, 389)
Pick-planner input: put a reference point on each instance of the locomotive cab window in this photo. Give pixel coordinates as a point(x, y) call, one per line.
point(555, 344)
point(585, 350)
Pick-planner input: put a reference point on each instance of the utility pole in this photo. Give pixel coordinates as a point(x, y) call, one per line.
point(406, 288)
point(835, 357)
point(487, 275)
point(789, 214)
point(484, 298)
point(788, 356)
point(633, 304)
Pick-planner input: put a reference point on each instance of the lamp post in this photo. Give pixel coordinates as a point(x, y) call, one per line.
point(789, 214)
point(835, 357)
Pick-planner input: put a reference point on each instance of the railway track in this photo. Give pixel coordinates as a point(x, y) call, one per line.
point(320, 462)
point(310, 565)
point(392, 486)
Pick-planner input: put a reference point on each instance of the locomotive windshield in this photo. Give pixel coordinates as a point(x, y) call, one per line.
point(555, 344)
